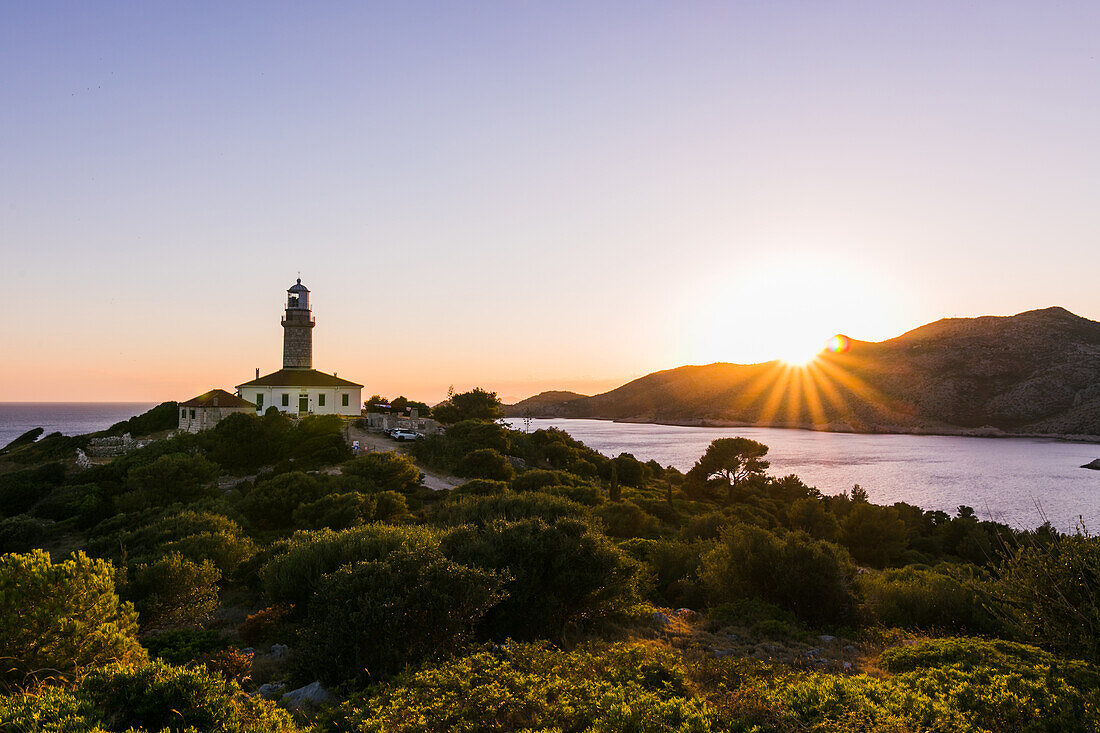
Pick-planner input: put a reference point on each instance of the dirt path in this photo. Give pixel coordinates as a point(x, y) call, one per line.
point(371, 442)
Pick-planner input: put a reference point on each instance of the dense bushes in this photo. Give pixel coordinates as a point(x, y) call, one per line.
point(370, 619)
point(558, 572)
point(152, 697)
point(174, 478)
point(803, 575)
point(1050, 594)
point(294, 571)
point(940, 599)
point(61, 618)
point(509, 506)
point(485, 463)
point(385, 471)
point(173, 591)
point(623, 687)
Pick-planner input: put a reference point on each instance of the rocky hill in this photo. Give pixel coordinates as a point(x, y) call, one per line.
point(1037, 372)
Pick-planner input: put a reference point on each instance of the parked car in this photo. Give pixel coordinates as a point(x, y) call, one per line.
point(402, 434)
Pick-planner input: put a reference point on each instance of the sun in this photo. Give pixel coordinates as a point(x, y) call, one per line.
point(799, 355)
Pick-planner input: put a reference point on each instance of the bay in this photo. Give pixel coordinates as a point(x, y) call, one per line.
point(1018, 481)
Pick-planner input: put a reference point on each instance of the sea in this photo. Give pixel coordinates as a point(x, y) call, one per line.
point(67, 418)
point(1019, 481)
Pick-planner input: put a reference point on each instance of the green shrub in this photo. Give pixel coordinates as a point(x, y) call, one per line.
point(21, 533)
point(675, 566)
point(180, 646)
point(386, 471)
point(705, 526)
point(941, 599)
point(480, 487)
point(293, 573)
point(808, 577)
point(270, 504)
point(173, 591)
point(371, 619)
point(21, 490)
point(336, 511)
point(626, 519)
point(532, 687)
point(160, 697)
point(170, 479)
point(61, 618)
point(558, 573)
point(485, 463)
point(1050, 594)
point(164, 416)
point(875, 535)
point(197, 536)
point(510, 506)
point(537, 480)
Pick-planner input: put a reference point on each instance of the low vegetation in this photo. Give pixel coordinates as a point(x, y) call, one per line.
point(556, 589)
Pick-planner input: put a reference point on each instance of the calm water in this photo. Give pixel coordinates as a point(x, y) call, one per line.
point(69, 418)
point(1001, 478)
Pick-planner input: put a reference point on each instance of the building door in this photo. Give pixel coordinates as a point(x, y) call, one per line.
point(303, 404)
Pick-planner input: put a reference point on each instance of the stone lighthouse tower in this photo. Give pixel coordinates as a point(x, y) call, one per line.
point(298, 329)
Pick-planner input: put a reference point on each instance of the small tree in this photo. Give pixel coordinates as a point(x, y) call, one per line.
point(730, 461)
point(477, 404)
point(485, 463)
point(60, 618)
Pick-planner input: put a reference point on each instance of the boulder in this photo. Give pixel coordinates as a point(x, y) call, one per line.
point(826, 638)
point(660, 620)
point(311, 695)
point(271, 689)
point(1094, 465)
point(278, 651)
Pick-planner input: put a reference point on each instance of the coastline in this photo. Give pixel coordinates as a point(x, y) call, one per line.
point(985, 432)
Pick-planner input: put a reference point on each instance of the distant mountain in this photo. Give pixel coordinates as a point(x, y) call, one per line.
point(1037, 372)
point(542, 399)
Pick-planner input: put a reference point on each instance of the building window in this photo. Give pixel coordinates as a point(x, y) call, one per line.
point(320, 400)
point(344, 400)
point(259, 400)
point(192, 414)
point(183, 414)
point(286, 400)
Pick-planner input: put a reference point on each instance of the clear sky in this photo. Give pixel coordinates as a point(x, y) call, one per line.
point(528, 195)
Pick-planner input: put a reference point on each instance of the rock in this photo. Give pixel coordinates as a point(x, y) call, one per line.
point(850, 649)
point(660, 620)
point(719, 653)
point(846, 666)
point(1094, 465)
point(278, 651)
point(811, 652)
point(271, 689)
point(686, 614)
point(827, 639)
point(82, 460)
point(310, 695)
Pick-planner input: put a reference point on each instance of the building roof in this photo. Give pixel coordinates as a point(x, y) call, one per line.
point(217, 398)
point(298, 287)
point(299, 378)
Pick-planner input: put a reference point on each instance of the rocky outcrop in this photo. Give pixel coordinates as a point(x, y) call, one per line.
point(1037, 372)
point(312, 695)
point(1094, 465)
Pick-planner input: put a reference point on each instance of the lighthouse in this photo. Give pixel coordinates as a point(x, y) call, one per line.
point(298, 388)
point(298, 328)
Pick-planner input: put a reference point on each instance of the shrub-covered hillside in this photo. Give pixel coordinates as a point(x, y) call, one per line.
point(258, 576)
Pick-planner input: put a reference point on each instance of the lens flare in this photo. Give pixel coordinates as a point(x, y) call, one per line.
point(839, 344)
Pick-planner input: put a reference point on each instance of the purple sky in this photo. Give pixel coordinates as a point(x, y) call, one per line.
point(528, 195)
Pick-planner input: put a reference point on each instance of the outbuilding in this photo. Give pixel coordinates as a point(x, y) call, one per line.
point(210, 408)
